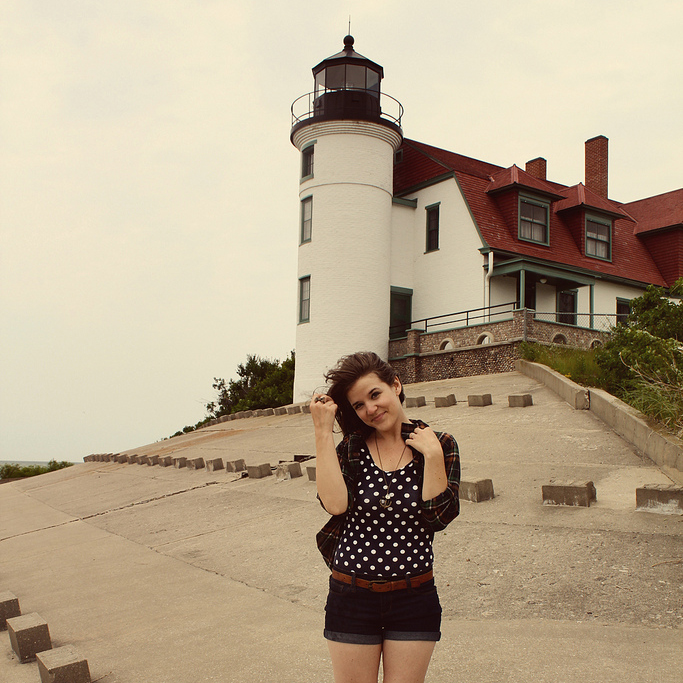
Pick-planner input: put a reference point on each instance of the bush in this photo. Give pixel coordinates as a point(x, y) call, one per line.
point(16, 471)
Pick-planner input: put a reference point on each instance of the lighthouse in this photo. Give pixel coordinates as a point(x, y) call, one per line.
point(346, 131)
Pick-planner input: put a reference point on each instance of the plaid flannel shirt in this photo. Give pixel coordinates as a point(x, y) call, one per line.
point(437, 512)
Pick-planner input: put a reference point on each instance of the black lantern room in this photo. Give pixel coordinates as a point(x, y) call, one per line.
point(347, 86)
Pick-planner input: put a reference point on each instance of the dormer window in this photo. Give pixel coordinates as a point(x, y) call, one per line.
point(599, 237)
point(534, 220)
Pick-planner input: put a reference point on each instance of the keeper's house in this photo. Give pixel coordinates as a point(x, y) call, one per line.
point(443, 263)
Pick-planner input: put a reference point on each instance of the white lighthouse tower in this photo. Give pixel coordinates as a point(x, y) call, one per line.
point(347, 131)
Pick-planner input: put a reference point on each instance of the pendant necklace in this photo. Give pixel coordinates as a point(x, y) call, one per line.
point(385, 500)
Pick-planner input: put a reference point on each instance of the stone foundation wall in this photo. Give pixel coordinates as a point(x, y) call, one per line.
point(462, 362)
point(484, 348)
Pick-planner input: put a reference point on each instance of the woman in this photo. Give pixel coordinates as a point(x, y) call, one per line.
point(389, 485)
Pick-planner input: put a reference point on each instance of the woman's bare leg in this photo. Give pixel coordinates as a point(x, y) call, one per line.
point(406, 661)
point(354, 663)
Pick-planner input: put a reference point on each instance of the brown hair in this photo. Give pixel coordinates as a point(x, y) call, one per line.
point(344, 375)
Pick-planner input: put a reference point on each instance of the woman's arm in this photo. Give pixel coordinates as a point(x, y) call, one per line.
point(332, 489)
point(435, 481)
point(444, 504)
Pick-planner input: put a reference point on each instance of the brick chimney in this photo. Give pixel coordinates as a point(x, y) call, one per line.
point(537, 168)
point(596, 165)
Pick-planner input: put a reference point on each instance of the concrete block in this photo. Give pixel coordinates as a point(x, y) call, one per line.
point(235, 465)
point(165, 461)
point(311, 472)
point(248, 413)
point(268, 411)
point(306, 408)
point(665, 499)
point(293, 410)
point(442, 402)
point(122, 458)
point(479, 400)
point(520, 400)
point(132, 459)
point(179, 462)
point(214, 464)
point(28, 635)
point(288, 470)
point(9, 608)
point(572, 493)
point(452, 401)
point(416, 402)
point(142, 459)
point(280, 411)
point(195, 463)
point(152, 459)
point(476, 491)
point(259, 471)
point(63, 665)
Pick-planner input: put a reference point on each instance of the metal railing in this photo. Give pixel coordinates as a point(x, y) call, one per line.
point(304, 107)
point(603, 322)
point(466, 318)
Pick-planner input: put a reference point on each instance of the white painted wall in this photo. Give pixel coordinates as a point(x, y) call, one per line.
point(451, 278)
point(402, 257)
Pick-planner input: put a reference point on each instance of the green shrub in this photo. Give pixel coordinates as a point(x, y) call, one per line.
point(15, 471)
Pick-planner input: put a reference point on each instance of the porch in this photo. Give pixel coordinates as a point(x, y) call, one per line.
point(486, 341)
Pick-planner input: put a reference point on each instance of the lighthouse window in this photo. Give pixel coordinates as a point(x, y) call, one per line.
point(355, 77)
point(347, 77)
point(373, 81)
point(335, 77)
point(432, 227)
point(305, 299)
point(307, 162)
point(306, 219)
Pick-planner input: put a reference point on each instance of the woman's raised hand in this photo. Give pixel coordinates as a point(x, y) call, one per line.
point(323, 412)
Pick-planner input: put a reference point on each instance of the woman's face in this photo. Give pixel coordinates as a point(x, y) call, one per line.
point(376, 403)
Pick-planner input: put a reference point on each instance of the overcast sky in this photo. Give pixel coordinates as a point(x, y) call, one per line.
point(149, 191)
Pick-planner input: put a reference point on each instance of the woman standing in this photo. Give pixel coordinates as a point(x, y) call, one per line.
point(389, 485)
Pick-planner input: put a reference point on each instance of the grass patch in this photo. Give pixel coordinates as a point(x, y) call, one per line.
point(576, 364)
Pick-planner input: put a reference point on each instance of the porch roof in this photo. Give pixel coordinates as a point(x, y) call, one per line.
point(543, 270)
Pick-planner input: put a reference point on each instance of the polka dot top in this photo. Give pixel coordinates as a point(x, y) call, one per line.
point(379, 542)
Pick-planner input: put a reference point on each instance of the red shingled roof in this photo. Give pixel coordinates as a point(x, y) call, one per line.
point(423, 164)
point(582, 196)
point(516, 177)
point(661, 211)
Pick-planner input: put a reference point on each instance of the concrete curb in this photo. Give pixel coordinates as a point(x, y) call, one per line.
point(630, 424)
point(573, 393)
point(627, 422)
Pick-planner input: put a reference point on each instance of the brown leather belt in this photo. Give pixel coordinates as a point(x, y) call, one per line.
point(382, 585)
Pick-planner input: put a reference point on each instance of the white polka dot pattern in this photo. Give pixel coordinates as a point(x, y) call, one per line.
point(385, 543)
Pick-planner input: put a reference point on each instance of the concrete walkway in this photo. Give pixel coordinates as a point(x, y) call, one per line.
point(157, 574)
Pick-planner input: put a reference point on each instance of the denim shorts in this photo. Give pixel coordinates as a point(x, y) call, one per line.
point(364, 617)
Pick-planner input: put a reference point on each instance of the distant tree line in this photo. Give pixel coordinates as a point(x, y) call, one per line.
point(260, 383)
point(16, 471)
